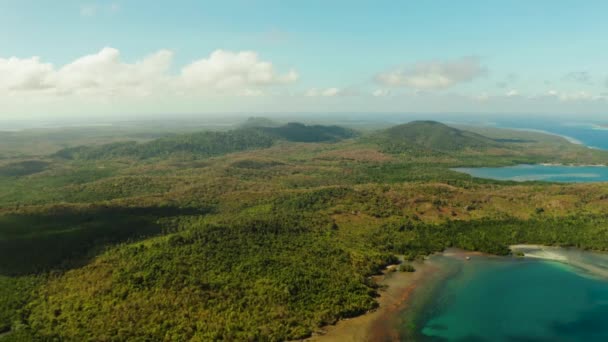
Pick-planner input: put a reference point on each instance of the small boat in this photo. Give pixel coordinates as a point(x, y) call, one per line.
point(468, 258)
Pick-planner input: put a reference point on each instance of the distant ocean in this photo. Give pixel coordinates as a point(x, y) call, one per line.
point(591, 134)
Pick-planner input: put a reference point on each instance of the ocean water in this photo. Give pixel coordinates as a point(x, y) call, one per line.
point(593, 134)
point(550, 173)
point(511, 299)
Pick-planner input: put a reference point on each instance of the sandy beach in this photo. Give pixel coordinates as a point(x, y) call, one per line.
point(572, 257)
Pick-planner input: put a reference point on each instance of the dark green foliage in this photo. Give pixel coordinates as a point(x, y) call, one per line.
point(64, 237)
point(492, 236)
point(316, 133)
point(256, 164)
point(15, 292)
point(23, 168)
point(430, 135)
point(204, 144)
point(270, 278)
point(210, 143)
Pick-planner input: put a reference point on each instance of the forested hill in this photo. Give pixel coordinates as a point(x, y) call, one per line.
point(210, 143)
point(302, 133)
point(431, 135)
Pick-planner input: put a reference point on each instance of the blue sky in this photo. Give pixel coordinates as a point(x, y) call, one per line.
point(271, 56)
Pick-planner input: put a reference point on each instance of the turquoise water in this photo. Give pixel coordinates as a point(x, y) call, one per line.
point(551, 173)
point(503, 299)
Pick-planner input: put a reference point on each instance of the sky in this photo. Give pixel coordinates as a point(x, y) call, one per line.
point(129, 57)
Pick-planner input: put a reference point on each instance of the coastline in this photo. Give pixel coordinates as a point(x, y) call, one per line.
point(395, 297)
point(576, 258)
point(396, 288)
point(568, 138)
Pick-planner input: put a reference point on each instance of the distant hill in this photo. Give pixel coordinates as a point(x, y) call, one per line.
point(23, 168)
point(298, 132)
point(210, 143)
point(258, 121)
point(431, 135)
point(202, 144)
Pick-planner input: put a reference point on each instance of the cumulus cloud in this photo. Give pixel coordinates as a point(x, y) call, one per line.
point(240, 73)
point(433, 75)
point(329, 92)
point(578, 76)
point(105, 72)
point(24, 74)
point(229, 70)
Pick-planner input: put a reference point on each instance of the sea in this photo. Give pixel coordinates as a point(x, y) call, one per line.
point(514, 299)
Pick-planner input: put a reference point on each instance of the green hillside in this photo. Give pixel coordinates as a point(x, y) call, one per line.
point(298, 132)
point(209, 143)
point(431, 135)
point(201, 144)
point(258, 121)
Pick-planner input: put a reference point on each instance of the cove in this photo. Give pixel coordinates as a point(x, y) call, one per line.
point(512, 299)
point(550, 173)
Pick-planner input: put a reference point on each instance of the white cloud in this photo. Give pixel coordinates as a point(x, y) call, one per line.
point(578, 96)
point(105, 73)
point(565, 96)
point(228, 70)
point(329, 92)
point(433, 75)
point(512, 92)
point(381, 92)
point(24, 74)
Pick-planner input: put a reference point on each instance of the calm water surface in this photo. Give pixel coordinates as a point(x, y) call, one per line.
point(515, 299)
point(551, 173)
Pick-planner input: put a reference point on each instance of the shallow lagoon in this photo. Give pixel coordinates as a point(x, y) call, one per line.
point(550, 173)
point(513, 299)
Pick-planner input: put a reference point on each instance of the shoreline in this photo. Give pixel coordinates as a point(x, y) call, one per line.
point(567, 256)
point(397, 288)
point(568, 138)
point(381, 323)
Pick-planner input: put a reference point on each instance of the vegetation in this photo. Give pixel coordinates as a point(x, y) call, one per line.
point(202, 144)
point(208, 143)
point(407, 268)
point(430, 135)
point(261, 233)
point(317, 133)
point(23, 168)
